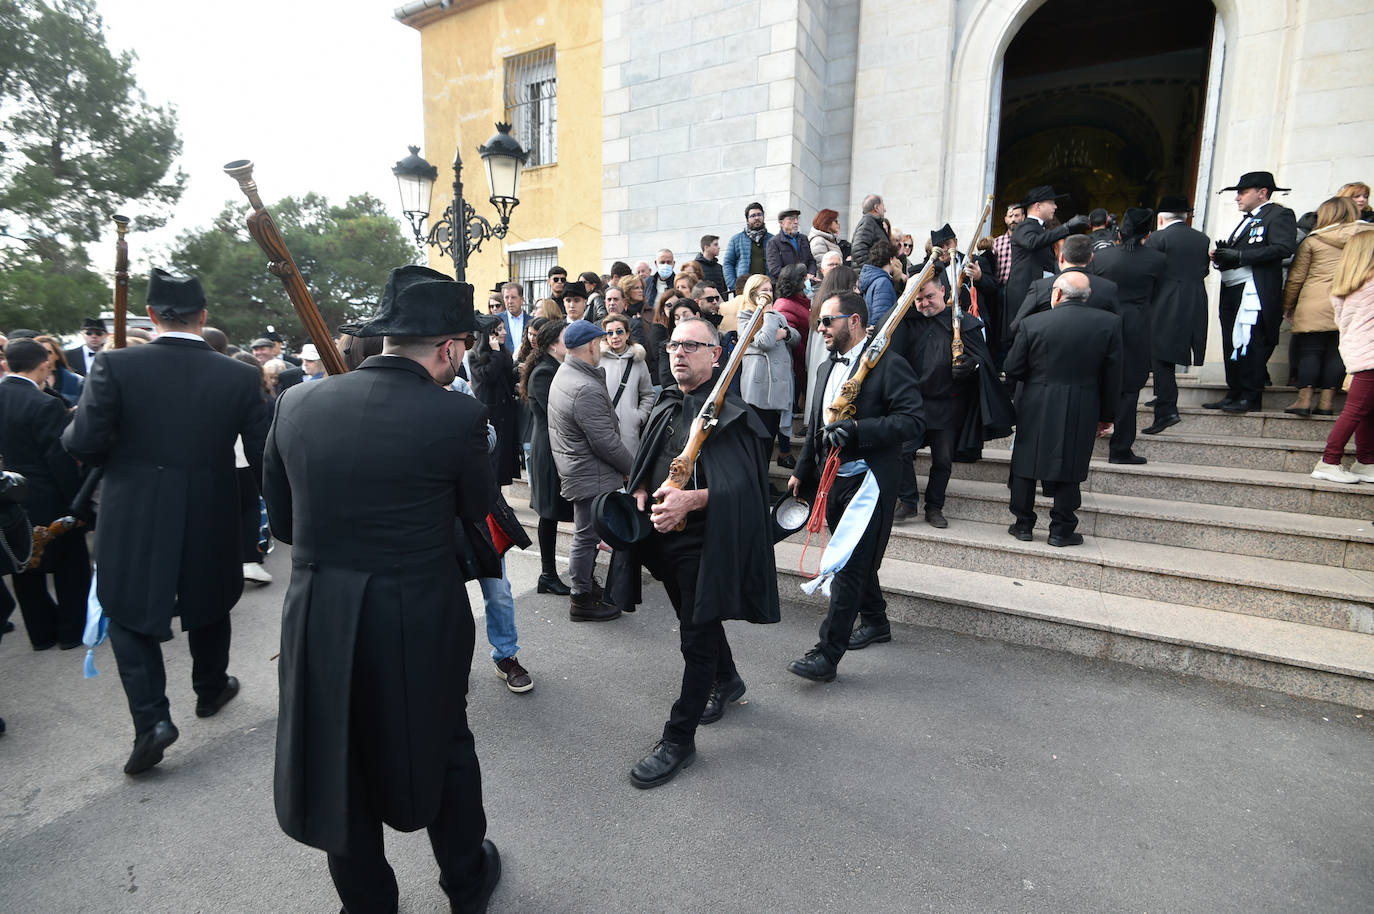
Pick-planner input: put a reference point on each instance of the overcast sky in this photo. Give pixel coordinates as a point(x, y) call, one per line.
point(323, 95)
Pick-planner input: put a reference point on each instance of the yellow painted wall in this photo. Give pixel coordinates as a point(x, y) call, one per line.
point(463, 53)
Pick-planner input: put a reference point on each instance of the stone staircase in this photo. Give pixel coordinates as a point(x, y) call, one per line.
point(1220, 558)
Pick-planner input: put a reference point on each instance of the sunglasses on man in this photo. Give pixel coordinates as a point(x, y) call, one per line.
point(825, 320)
point(710, 298)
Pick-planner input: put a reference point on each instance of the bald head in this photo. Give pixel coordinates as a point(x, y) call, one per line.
point(1070, 287)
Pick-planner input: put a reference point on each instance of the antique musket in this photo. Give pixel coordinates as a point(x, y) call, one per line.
point(281, 265)
point(956, 347)
point(80, 509)
point(121, 289)
point(680, 470)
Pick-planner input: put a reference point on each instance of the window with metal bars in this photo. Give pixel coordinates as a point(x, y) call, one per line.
point(531, 96)
point(531, 270)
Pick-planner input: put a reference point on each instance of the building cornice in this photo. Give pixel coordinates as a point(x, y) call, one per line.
point(419, 13)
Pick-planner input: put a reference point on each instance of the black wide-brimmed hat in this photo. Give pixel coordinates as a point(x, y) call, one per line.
point(174, 296)
point(618, 521)
point(1040, 194)
point(790, 515)
point(1173, 203)
point(93, 323)
point(1137, 221)
point(419, 301)
point(1255, 179)
point(942, 234)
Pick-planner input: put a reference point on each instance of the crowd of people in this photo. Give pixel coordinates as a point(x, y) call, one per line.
point(646, 408)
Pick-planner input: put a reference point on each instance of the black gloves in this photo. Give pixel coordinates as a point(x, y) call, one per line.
point(1226, 258)
point(962, 367)
point(1077, 225)
point(839, 434)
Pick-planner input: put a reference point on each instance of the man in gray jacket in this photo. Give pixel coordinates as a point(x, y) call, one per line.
point(584, 436)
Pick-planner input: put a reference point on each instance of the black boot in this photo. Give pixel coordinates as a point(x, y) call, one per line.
point(549, 582)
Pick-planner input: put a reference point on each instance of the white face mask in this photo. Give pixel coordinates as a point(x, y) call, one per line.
point(665, 270)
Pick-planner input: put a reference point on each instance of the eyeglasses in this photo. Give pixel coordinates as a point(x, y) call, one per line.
point(691, 347)
point(825, 320)
point(619, 331)
point(469, 340)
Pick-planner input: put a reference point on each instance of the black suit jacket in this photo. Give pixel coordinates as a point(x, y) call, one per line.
point(31, 426)
point(162, 419)
point(1178, 327)
point(1270, 239)
point(76, 359)
point(1102, 294)
point(1032, 255)
point(889, 413)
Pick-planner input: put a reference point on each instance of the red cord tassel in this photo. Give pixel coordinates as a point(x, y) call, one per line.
point(816, 522)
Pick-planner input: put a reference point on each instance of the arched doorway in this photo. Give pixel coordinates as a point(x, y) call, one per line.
point(1105, 102)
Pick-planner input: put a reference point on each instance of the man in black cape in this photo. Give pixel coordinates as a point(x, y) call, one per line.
point(720, 564)
point(369, 476)
point(964, 402)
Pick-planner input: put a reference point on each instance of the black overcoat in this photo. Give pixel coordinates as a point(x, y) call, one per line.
point(546, 497)
point(737, 577)
point(494, 385)
point(1138, 273)
point(1102, 293)
point(889, 413)
point(1032, 256)
point(1178, 326)
point(1069, 360)
point(1270, 237)
point(162, 419)
point(364, 475)
point(31, 426)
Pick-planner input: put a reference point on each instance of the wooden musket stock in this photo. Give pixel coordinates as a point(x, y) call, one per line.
point(281, 265)
point(956, 347)
point(121, 289)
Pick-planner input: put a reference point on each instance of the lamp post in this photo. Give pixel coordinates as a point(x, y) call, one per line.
point(460, 231)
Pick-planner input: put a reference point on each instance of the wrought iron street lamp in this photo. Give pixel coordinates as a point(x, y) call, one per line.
point(459, 232)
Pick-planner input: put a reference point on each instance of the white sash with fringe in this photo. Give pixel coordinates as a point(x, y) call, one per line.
point(850, 529)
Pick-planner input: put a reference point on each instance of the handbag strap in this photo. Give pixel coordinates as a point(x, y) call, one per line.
point(624, 379)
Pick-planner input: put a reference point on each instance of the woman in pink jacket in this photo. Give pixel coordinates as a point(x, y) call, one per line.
point(1352, 292)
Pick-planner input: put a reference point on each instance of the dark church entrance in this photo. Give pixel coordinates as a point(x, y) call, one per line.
point(1105, 101)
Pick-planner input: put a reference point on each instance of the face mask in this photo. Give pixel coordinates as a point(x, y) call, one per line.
point(665, 270)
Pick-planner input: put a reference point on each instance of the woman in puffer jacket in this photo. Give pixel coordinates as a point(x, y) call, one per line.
point(1353, 302)
point(627, 379)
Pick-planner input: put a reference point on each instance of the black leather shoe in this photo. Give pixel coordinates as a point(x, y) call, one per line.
point(550, 583)
point(149, 747)
point(211, 707)
point(491, 875)
point(1240, 406)
point(787, 461)
point(1219, 404)
point(1128, 458)
point(7, 627)
point(867, 634)
point(1151, 402)
point(585, 607)
point(1020, 533)
point(662, 764)
point(936, 518)
point(813, 665)
point(722, 693)
point(904, 511)
point(1068, 539)
point(1161, 424)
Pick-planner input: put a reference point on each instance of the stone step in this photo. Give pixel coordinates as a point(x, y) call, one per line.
point(1283, 455)
point(1305, 660)
point(1297, 493)
point(1199, 421)
point(1320, 595)
point(1334, 541)
point(1193, 392)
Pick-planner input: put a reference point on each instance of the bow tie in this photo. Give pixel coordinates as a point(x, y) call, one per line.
point(839, 358)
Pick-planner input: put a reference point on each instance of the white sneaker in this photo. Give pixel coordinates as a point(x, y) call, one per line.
point(1334, 472)
point(1363, 470)
point(252, 571)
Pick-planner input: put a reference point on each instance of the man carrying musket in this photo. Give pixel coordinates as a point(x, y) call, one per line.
point(860, 504)
point(711, 545)
point(371, 477)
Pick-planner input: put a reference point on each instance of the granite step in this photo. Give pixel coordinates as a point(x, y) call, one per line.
point(1194, 392)
point(1310, 661)
point(1271, 490)
point(1199, 421)
point(1334, 541)
point(1283, 455)
point(1321, 595)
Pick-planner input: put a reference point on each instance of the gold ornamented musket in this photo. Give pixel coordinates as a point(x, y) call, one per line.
point(121, 289)
point(680, 470)
point(956, 348)
point(281, 265)
point(844, 405)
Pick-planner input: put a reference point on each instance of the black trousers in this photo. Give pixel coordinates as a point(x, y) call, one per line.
point(1166, 388)
point(1123, 425)
point(941, 442)
point(854, 591)
point(1247, 376)
point(145, 677)
point(1319, 359)
point(1067, 499)
point(365, 880)
point(675, 559)
point(47, 622)
point(250, 517)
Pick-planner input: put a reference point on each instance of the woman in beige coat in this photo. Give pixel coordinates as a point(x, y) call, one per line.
point(1307, 303)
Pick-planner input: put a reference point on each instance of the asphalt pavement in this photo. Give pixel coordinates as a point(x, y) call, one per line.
point(940, 772)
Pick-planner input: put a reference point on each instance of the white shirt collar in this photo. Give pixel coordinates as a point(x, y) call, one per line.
point(1036, 218)
point(1169, 223)
point(23, 378)
point(181, 335)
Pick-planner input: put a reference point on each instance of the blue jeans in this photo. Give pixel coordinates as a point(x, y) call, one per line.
point(500, 610)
